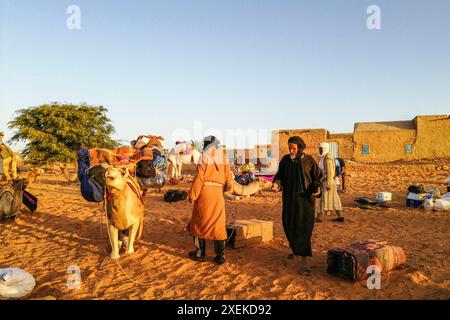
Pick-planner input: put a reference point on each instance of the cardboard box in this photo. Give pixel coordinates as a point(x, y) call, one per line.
point(384, 196)
point(242, 233)
point(251, 228)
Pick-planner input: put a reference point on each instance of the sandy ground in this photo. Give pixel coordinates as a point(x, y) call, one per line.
point(68, 231)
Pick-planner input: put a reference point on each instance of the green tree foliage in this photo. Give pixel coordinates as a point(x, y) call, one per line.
point(55, 132)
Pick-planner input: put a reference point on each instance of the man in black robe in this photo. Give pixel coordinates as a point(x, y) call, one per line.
point(300, 178)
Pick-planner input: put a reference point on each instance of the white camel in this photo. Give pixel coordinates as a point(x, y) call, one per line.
point(182, 153)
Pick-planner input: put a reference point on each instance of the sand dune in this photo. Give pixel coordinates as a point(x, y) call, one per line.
point(66, 230)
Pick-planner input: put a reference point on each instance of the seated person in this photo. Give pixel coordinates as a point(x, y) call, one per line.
point(247, 174)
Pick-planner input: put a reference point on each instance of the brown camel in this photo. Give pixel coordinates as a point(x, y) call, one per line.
point(246, 191)
point(124, 207)
point(11, 193)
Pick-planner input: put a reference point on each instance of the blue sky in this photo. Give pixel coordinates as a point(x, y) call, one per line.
point(159, 66)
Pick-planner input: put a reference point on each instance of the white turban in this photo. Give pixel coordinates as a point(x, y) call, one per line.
point(325, 149)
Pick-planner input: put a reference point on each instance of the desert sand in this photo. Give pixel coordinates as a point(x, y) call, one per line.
point(68, 231)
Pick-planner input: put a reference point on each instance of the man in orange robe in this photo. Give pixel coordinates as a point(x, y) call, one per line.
point(208, 215)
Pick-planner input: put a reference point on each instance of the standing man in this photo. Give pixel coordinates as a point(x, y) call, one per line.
point(300, 178)
point(342, 164)
point(340, 173)
point(208, 216)
point(8, 161)
point(330, 200)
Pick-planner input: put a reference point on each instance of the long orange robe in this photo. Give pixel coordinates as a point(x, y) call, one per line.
point(208, 215)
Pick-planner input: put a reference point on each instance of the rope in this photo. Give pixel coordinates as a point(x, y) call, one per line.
point(12, 226)
point(233, 231)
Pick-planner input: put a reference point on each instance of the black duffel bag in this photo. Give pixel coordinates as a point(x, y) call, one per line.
point(416, 189)
point(175, 195)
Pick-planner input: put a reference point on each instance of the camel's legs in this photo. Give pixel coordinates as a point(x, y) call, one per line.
point(230, 196)
point(173, 169)
point(180, 165)
point(132, 233)
point(114, 240)
point(169, 170)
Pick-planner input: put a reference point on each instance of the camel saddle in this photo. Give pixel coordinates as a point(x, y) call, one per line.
point(11, 187)
point(121, 156)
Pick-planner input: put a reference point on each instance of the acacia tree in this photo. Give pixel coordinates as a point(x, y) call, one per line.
point(55, 132)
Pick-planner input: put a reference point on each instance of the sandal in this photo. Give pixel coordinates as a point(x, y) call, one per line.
point(219, 260)
point(304, 271)
point(193, 256)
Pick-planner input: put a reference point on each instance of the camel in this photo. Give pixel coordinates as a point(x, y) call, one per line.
point(11, 193)
point(8, 167)
point(246, 191)
point(72, 177)
point(176, 159)
point(124, 208)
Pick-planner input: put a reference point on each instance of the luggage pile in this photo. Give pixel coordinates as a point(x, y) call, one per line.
point(351, 262)
point(427, 198)
point(416, 196)
point(148, 141)
point(441, 203)
point(246, 174)
point(146, 161)
point(92, 190)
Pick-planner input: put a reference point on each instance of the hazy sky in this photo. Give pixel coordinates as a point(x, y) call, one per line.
point(159, 66)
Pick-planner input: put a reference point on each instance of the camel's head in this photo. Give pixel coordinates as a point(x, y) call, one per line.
point(36, 172)
point(116, 177)
point(32, 175)
point(264, 184)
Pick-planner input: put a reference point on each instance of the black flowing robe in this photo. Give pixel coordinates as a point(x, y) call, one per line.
point(299, 179)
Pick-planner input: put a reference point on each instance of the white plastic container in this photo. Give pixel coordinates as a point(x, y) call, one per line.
point(384, 196)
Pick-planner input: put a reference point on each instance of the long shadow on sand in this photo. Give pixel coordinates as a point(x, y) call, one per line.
point(264, 260)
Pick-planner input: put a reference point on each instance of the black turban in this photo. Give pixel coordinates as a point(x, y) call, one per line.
point(210, 141)
point(298, 141)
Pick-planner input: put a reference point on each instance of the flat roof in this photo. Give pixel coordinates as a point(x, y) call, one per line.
point(385, 126)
